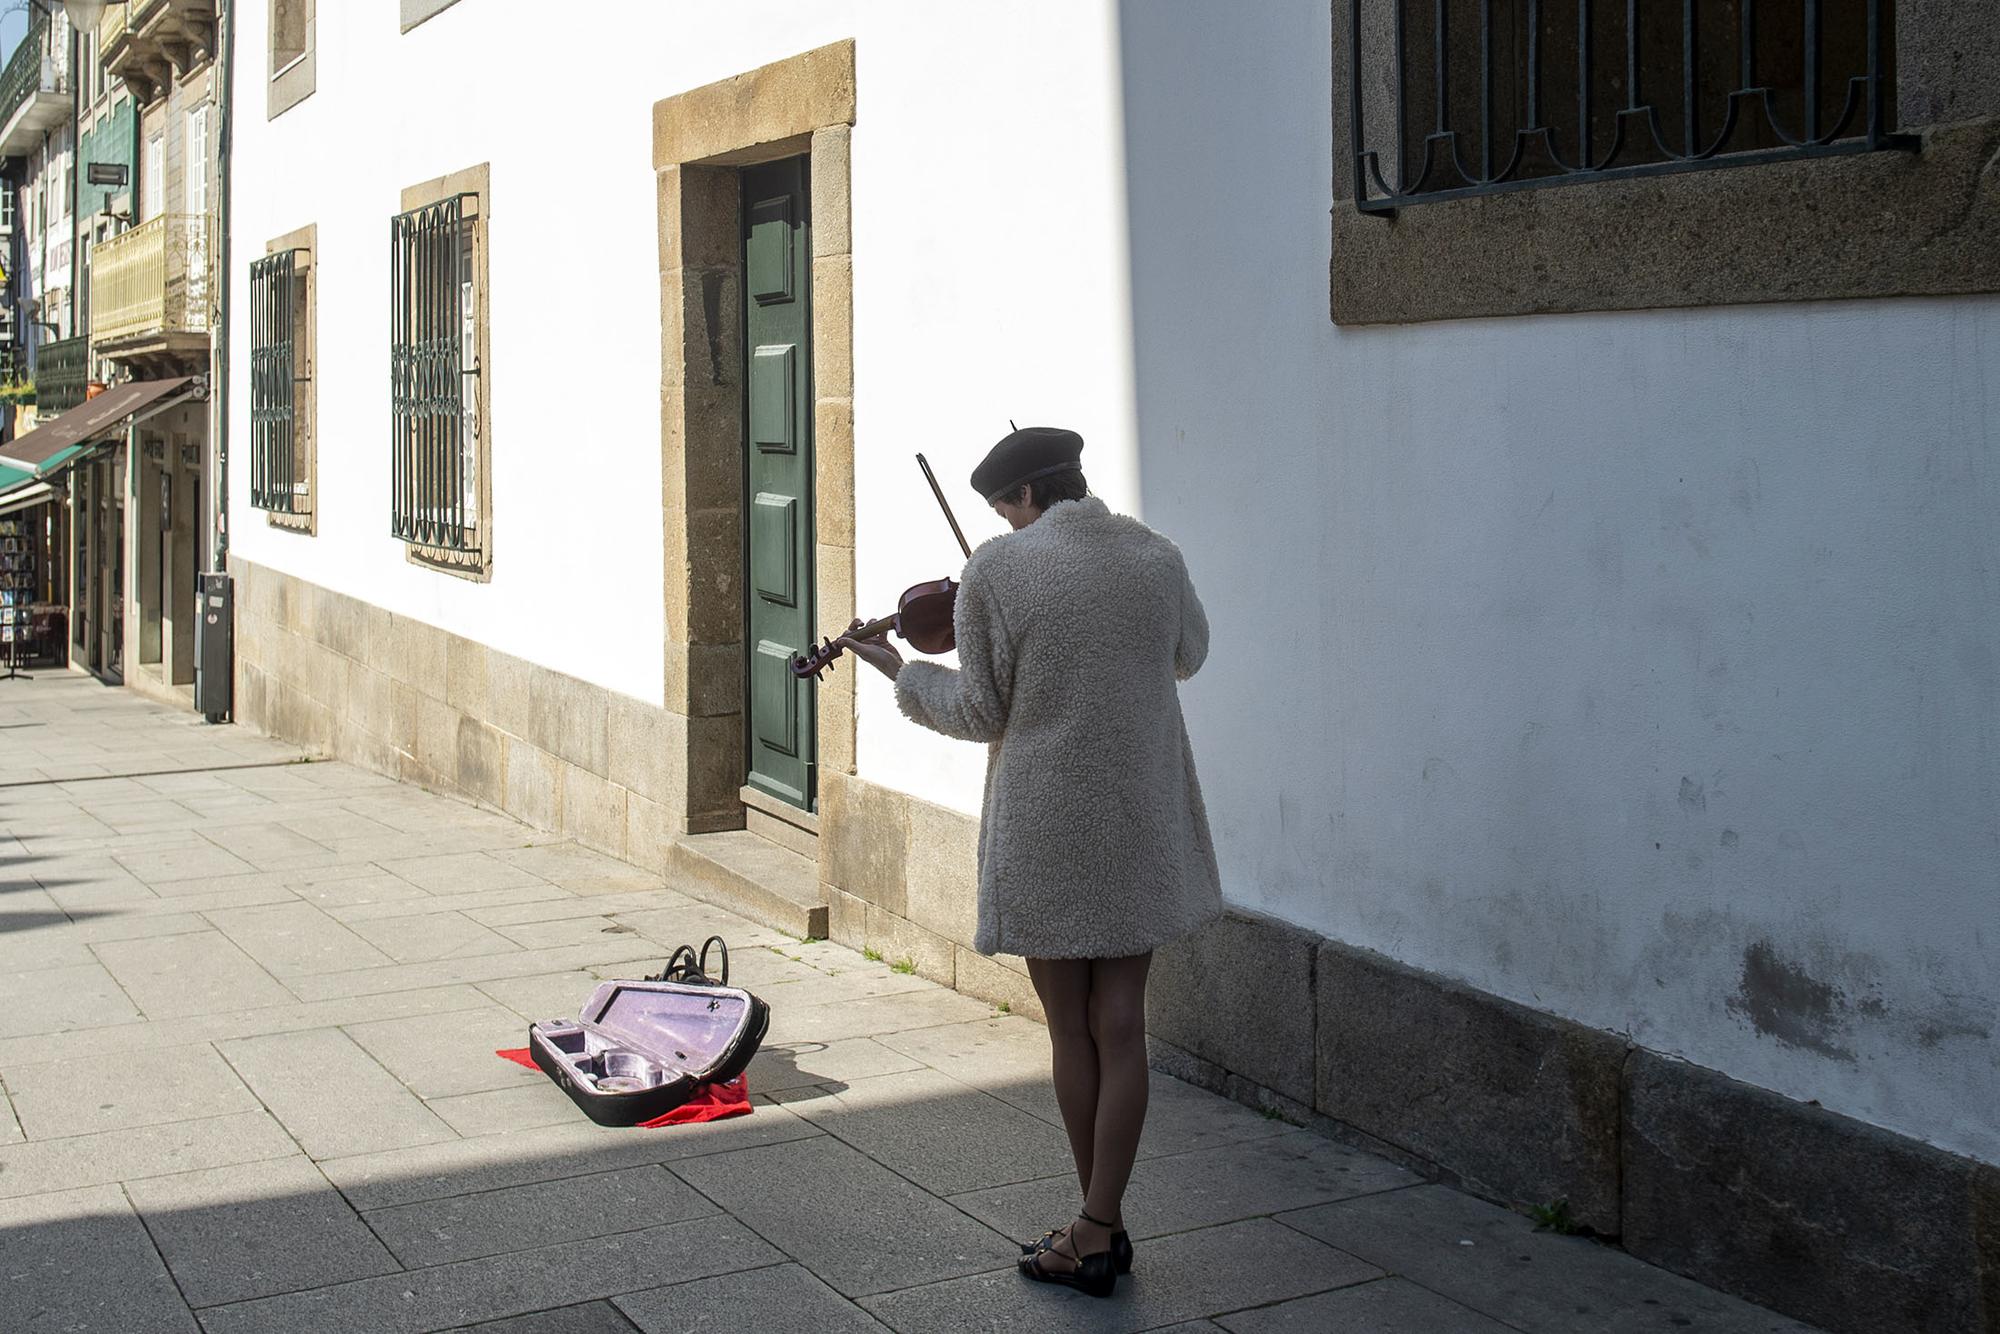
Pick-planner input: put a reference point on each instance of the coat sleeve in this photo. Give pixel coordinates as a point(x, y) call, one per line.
point(971, 702)
point(1192, 650)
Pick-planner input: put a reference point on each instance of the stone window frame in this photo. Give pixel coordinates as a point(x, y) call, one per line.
point(417, 11)
point(803, 104)
point(293, 75)
point(475, 564)
point(305, 403)
point(1922, 222)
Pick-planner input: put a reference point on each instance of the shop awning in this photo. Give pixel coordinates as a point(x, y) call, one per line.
point(17, 498)
point(50, 448)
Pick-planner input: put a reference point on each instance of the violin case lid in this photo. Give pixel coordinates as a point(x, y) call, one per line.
point(639, 1049)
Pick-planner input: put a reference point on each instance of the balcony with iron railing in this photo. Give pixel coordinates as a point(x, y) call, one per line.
point(151, 42)
point(34, 91)
point(152, 290)
point(112, 26)
point(62, 375)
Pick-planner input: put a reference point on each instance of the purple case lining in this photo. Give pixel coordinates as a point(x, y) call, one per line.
point(643, 1035)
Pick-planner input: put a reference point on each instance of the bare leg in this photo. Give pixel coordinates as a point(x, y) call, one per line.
point(1064, 988)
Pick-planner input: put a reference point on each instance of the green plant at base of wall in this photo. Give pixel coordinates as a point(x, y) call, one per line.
point(1554, 1217)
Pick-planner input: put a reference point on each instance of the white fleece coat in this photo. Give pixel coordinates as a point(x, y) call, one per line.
point(1072, 634)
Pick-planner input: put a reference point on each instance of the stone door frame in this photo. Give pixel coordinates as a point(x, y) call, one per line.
point(804, 104)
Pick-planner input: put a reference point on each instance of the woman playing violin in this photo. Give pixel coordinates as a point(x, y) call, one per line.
point(1073, 631)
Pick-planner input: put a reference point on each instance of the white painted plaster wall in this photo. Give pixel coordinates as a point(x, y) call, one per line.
point(986, 134)
point(1639, 667)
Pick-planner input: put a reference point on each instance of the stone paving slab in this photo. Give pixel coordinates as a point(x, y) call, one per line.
point(437, 1056)
point(230, 1234)
point(113, 1040)
point(580, 870)
point(38, 1166)
point(10, 1126)
point(295, 937)
point(512, 962)
point(1202, 1189)
point(872, 1016)
point(460, 873)
point(546, 1153)
point(857, 1225)
point(49, 1000)
point(493, 1288)
point(1387, 1304)
point(79, 1260)
point(21, 952)
point(545, 996)
point(87, 926)
point(563, 931)
point(1191, 1274)
point(942, 1135)
point(164, 865)
point(199, 973)
point(494, 1222)
point(779, 1066)
point(140, 1088)
point(787, 1300)
point(357, 886)
point(586, 1318)
point(502, 1111)
point(1494, 1261)
point(332, 1096)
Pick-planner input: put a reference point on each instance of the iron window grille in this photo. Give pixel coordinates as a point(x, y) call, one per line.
point(434, 373)
point(280, 480)
point(1485, 96)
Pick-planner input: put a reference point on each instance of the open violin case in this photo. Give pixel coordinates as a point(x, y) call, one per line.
point(638, 1049)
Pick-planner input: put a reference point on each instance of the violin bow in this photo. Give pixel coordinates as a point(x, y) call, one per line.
point(944, 505)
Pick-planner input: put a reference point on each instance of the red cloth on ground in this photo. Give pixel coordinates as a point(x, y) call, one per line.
point(711, 1102)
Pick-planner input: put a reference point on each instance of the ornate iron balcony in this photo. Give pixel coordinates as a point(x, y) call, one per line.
point(34, 91)
point(154, 280)
point(1450, 98)
point(62, 375)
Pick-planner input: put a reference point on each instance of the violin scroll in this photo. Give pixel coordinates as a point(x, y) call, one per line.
point(819, 660)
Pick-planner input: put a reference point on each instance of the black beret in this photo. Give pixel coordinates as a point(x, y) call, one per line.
point(1024, 455)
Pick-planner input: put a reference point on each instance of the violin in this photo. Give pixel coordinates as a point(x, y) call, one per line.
point(923, 615)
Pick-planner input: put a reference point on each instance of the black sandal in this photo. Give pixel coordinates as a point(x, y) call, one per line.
point(1121, 1247)
point(1095, 1274)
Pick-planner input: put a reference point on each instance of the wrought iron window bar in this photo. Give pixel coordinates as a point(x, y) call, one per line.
point(433, 376)
point(277, 483)
point(1502, 132)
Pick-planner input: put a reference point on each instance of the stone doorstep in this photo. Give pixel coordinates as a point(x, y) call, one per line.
point(753, 877)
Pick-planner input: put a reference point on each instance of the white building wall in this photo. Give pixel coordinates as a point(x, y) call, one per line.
point(1637, 667)
point(950, 148)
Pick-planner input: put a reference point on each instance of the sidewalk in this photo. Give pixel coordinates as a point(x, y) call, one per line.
point(248, 1010)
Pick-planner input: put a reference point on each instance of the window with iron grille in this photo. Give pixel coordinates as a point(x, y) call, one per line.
point(437, 468)
point(281, 383)
point(1451, 98)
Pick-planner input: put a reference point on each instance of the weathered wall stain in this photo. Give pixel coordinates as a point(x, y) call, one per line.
point(1942, 1028)
point(1783, 1001)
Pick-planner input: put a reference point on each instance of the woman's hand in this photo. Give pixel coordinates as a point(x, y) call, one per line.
point(877, 652)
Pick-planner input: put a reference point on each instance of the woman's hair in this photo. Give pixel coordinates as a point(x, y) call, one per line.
point(1046, 491)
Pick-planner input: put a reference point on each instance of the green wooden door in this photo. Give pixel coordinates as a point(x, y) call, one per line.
point(778, 417)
